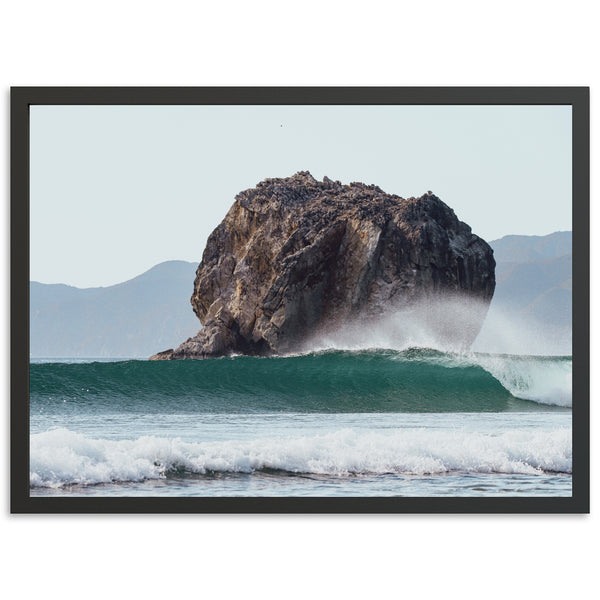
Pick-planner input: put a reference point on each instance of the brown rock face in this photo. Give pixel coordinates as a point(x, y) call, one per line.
point(297, 256)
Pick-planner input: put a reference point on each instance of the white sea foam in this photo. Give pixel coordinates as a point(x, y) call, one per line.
point(61, 457)
point(542, 380)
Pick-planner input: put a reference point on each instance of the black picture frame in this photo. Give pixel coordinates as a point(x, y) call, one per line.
point(21, 100)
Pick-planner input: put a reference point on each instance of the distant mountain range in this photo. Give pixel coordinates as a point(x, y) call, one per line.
point(529, 314)
point(131, 319)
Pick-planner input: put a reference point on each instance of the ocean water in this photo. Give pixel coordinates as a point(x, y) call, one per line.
point(416, 422)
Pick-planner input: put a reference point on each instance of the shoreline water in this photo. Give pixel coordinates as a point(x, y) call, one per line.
point(372, 423)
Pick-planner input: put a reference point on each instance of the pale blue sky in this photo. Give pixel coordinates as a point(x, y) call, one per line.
point(118, 189)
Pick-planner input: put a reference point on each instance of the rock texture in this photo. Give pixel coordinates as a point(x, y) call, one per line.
point(295, 256)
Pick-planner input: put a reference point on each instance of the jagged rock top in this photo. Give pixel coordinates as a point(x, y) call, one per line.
point(294, 255)
point(302, 188)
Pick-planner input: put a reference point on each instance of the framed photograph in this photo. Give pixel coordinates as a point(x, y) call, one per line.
point(320, 300)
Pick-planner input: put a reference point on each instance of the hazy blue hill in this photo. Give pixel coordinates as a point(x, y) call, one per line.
point(532, 305)
point(523, 248)
point(553, 306)
point(136, 318)
point(519, 284)
point(43, 295)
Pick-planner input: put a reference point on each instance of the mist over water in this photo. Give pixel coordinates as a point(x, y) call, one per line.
point(505, 332)
point(448, 325)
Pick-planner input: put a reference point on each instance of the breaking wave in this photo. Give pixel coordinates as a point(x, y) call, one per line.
point(413, 380)
point(62, 457)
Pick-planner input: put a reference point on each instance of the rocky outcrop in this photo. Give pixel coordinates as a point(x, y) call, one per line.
point(296, 256)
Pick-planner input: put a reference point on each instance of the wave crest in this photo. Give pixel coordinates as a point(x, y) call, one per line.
point(545, 380)
point(415, 380)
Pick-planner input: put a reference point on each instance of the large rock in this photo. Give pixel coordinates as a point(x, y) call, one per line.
point(296, 256)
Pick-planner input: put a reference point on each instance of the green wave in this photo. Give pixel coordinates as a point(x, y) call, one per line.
point(335, 381)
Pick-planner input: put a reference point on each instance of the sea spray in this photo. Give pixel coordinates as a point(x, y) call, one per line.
point(432, 324)
point(510, 332)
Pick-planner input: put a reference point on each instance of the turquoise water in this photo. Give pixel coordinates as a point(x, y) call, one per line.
point(370, 423)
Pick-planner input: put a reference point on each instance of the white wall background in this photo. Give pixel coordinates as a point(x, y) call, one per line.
point(308, 43)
